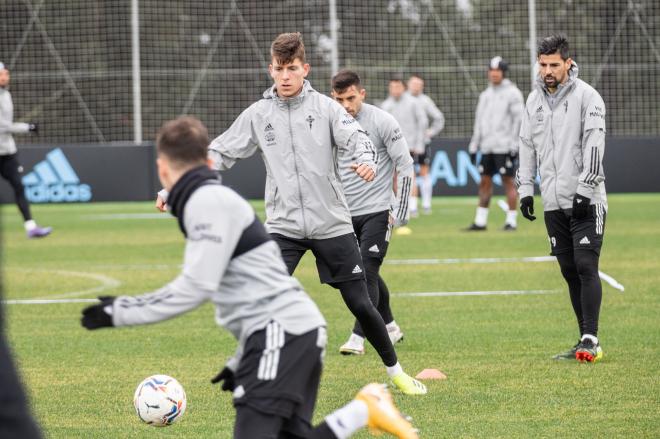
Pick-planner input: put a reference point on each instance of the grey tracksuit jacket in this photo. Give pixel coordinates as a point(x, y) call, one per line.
point(412, 118)
point(497, 119)
point(248, 290)
point(7, 124)
point(299, 139)
point(377, 196)
point(435, 118)
point(562, 135)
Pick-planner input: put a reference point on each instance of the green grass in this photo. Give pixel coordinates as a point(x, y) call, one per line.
point(495, 350)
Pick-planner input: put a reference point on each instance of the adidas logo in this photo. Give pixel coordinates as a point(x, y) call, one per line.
point(269, 127)
point(357, 269)
point(540, 109)
point(374, 249)
point(54, 181)
point(579, 200)
point(585, 241)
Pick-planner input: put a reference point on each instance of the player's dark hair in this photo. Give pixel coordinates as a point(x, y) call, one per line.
point(415, 75)
point(345, 79)
point(183, 140)
point(288, 47)
point(398, 79)
point(557, 43)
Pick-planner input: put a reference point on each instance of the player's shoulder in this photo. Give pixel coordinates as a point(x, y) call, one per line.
point(382, 117)
point(533, 97)
point(587, 92)
point(215, 199)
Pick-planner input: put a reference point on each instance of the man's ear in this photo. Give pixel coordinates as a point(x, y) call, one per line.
point(363, 93)
point(306, 69)
point(209, 162)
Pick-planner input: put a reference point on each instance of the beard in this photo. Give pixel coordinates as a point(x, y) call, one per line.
point(551, 81)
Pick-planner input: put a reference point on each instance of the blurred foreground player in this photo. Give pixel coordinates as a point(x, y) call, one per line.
point(563, 138)
point(10, 169)
point(375, 209)
point(232, 262)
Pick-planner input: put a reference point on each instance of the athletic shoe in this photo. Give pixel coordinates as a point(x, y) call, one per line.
point(475, 228)
point(414, 214)
point(384, 417)
point(354, 346)
point(509, 228)
point(403, 230)
point(408, 385)
point(39, 232)
point(588, 351)
point(395, 333)
point(567, 355)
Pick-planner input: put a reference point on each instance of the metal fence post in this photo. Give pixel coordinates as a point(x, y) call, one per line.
point(135, 50)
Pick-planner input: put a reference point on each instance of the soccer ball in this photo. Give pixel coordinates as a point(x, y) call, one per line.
point(160, 400)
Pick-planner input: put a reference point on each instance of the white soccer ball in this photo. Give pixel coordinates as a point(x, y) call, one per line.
point(160, 400)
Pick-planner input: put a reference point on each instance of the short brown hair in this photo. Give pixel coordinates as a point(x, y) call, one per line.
point(345, 79)
point(288, 47)
point(183, 141)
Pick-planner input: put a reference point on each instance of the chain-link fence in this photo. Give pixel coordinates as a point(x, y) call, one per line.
point(73, 70)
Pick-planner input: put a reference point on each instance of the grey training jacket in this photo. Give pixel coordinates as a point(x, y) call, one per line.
point(7, 124)
point(435, 118)
point(298, 139)
point(377, 196)
point(562, 135)
point(497, 119)
point(248, 290)
point(412, 118)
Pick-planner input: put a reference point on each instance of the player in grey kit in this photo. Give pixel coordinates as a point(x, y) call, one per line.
point(374, 207)
point(231, 261)
point(10, 168)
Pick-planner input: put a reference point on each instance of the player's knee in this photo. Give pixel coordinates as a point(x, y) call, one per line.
point(586, 263)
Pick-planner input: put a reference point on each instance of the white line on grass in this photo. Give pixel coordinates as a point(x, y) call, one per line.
point(127, 216)
point(107, 282)
point(476, 293)
point(46, 301)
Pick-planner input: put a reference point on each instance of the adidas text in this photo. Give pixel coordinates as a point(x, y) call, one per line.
point(54, 181)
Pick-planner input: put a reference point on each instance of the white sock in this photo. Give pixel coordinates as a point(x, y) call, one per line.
point(30, 225)
point(427, 191)
point(395, 370)
point(391, 326)
point(511, 218)
point(413, 204)
point(481, 218)
point(593, 338)
point(348, 419)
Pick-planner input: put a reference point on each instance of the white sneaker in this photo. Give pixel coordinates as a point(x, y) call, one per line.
point(354, 346)
point(395, 333)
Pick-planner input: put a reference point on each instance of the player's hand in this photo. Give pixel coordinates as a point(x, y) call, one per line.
point(161, 204)
point(226, 376)
point(580, 207)
point(95, 316)
point(513, 155)
point(527, 207)
point(364, 171)
point(473, 158)
point(33, 127)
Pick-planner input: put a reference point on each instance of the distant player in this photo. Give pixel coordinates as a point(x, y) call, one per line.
point(436, 122)
point(374, 207)
point(231, 261)
point(10, 168)
point(563, 138)
point(298, 132)
point(413, 121)
point(496, 128)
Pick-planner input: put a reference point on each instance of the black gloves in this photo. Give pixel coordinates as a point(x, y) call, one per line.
point(34, 128)
point(473, 158)
point(527, 207)
point(580, 207)
point(94, 317)
point(226, 375)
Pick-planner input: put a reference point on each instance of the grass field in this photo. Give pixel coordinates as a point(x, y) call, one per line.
point(494, 349)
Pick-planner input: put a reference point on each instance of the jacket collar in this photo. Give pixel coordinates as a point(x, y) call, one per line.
point(293, 102)
point(562, 89)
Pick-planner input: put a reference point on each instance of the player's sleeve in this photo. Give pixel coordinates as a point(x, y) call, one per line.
point(397, 149)
point(593, 146)
point(238, 142)
point(350, 138)
point(213, 233)
point(8, 126)
point(527, 158)
point(476, 135)
point(516, 108)
point(422, 120)
point(436, 117)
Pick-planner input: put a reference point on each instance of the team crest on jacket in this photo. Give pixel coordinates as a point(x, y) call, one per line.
point(309, 120)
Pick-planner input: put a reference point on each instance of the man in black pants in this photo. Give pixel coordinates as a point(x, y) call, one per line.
point(563, 131)
point(10, 169)
point(298, 131)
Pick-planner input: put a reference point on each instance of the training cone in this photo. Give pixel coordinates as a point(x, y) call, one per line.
point(431, 374)
point(403, 230)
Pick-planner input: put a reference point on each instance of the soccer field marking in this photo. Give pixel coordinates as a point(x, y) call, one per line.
point(127, 216)
point(476, 293)
point(46, 301)
point(107, 283)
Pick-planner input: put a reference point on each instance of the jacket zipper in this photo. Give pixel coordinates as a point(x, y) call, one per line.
point(295, 166)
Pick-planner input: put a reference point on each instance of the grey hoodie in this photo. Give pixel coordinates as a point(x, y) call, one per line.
point(497, 119)
point(412, 118)
point(298, 139)
point(7, 124)
point(562, 135)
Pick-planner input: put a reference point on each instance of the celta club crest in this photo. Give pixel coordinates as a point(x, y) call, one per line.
point(309, 120)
